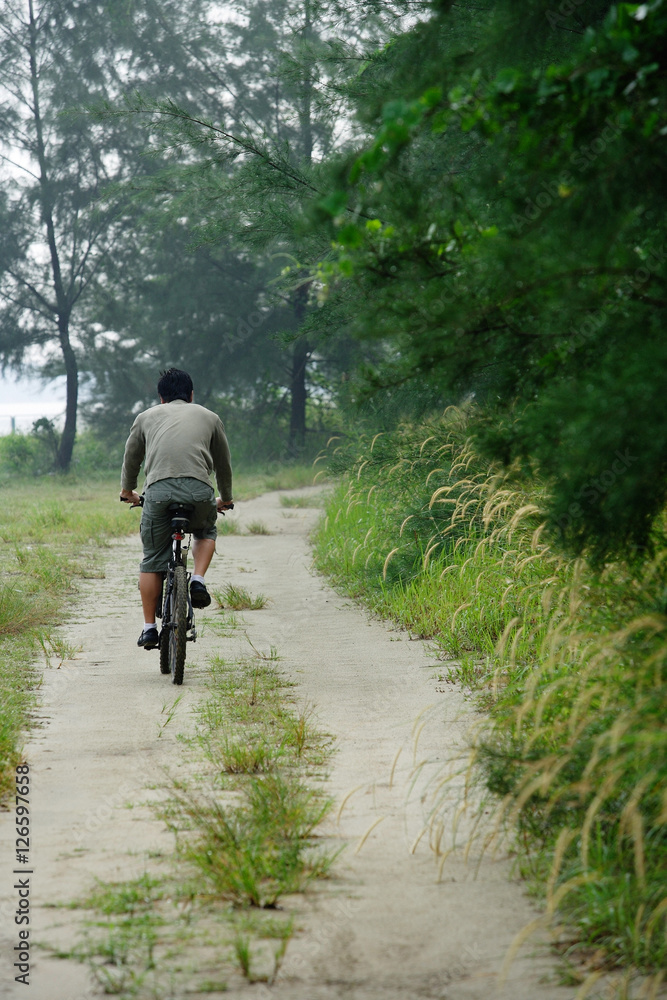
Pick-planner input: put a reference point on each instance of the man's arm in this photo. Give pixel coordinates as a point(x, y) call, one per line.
point(135, 450)
point(222, 463)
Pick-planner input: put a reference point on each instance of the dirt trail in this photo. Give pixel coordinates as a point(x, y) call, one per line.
point(383, 927)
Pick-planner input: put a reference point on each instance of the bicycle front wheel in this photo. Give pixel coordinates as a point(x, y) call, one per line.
point(178, 625)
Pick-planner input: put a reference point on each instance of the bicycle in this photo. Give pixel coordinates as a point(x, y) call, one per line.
point(176, 611)
point(174, 605)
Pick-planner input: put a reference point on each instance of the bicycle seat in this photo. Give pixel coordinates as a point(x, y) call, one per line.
point(180, 514)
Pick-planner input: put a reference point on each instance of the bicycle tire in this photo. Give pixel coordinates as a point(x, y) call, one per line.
point(165, 667)
point(165, 614)
point(178, 625)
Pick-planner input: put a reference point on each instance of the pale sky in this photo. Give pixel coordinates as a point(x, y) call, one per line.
point(27, 401)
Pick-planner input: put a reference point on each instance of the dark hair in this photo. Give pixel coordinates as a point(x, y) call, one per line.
point(174, 384)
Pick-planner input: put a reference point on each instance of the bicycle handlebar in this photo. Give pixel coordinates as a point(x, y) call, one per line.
point(141, 503)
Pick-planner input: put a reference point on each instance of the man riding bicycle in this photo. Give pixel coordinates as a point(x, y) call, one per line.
point(182, 443)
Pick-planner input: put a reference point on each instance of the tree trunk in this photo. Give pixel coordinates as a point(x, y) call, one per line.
point(63, 307)
point(301, 349)
point(66, 447)
point(298, 392)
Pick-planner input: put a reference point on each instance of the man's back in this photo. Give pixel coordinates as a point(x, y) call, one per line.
point(178, 440)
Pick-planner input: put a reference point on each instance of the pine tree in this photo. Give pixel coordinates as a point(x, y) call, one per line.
point(62, 209)
point(254, 163)
point(507, 245)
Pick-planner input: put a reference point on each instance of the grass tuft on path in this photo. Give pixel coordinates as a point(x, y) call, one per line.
point(239, 599)
point(245, 827)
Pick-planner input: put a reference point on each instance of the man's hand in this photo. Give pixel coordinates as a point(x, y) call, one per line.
point(129, 496)
point(223, 505)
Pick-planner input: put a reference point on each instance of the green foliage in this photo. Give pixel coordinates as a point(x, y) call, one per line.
point(24, 454)
point(500, 233)
point(570, 665)
point(34, 453)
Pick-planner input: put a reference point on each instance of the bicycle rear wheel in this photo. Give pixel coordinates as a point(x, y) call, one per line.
point(178, 625)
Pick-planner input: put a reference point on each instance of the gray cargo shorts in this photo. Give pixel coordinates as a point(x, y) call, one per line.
point(156, 520)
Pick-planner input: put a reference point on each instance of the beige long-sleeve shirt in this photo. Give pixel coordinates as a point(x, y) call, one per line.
point(178, 440)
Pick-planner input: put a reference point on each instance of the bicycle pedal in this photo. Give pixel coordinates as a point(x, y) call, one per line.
point(191, 638)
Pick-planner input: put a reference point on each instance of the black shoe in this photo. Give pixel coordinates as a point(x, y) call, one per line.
point(149, 639)
point(199, 595)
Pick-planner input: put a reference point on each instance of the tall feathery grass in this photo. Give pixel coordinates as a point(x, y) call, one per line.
point(570, 665)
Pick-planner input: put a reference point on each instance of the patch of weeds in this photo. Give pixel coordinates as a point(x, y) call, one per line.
point(245, 825)
point(226, 625)
point(301, 737)
point(255, 853)
point(242, 952)
point(252, 756)
point(272, 656)
point(303, 501)
point(169, 711)
point(258, 528)
point(227, 527)
point(469, 672)
point(120, 950)
point(59, 648)
point(260, 845)
point(258, 962)
point(123, 897)
point(239, 599)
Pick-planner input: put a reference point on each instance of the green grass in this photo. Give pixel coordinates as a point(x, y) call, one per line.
point(249, 484)
point(258, 528)
point(48, 540)
point(302, 502)
point(228, 527)
point(569, 665)
point(246, 835)
point(254, 852)
point(239, 599)
point(51, 532)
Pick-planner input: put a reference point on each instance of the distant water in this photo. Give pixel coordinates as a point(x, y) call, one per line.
point(26, 401)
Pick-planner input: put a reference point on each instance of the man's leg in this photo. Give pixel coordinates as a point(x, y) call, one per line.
point(202, 553)
point(150, 585)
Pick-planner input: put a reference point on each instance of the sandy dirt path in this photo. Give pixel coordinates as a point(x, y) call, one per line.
point(383, 927)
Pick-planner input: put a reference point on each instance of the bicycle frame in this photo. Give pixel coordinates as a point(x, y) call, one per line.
point(179, 551)
point(174, 604)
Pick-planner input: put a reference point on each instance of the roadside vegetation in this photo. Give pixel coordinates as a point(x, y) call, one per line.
point(568, 662)
point(53, 532)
